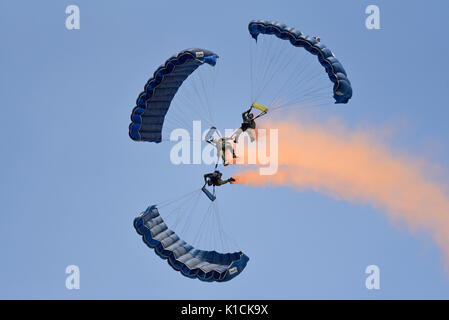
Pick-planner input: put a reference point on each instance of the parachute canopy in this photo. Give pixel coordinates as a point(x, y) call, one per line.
point(342, 86)
point(152, 105)
point(193, 263)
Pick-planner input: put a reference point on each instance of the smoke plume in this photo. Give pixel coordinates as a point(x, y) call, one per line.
point(357, 167)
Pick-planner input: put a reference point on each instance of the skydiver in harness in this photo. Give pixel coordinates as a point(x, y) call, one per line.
point(225, 150)
point(214, 179)
point(249, 122)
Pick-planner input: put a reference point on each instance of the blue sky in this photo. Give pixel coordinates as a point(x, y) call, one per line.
point(72, 180)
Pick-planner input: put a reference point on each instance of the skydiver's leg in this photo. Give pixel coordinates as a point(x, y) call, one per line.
point(237, 134)
point(223, 157)
point(230, 150)
point(220, 155)
point(226, 154)
point(229, 153)
point(252, 134)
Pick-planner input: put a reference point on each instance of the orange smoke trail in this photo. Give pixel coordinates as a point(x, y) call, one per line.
point(354, 166)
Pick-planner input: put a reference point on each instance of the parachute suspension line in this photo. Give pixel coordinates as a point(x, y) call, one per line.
point(215, 236)
point(183, 102)
point(185, 98)
point(199, 235)
point(253, 77)
point(203, 98)
point(261, 53)
point(300, 71)
point(228, 238)
point(265, 69)
point(175, 122)
point(311, 81)
point(182, 202)
point(267, 59)
point(275, 60)
point(308, 98)
point(286, 84)
point(179, 215)
point(256, 54)
point(194, 97)
point(211, 93)
point(301, 81)
point(224, 244)
point(206, 97)
point(303, 106)
point(198, 95)
point(278, 61)
point(215, 76)
point(177, 209)
point(191, 213)
point(312, 93)
point(170, 201)
point(251, 67)
point(208, 239)
point(210, 233)
point(180, 119)
point(289, 83)
point(185, 214)
point(309, 94)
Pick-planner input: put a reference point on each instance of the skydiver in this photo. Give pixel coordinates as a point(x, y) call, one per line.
point(214, 179)
point(225, 150)
point(248, 125)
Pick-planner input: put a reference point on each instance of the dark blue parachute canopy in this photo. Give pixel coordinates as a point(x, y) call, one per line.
point(193, 263)
point(152, 104)
point(342, 86)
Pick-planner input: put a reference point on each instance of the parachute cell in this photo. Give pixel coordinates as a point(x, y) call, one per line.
point(152, 105)
point(342, 86)
point(193, 263)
